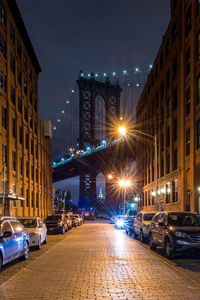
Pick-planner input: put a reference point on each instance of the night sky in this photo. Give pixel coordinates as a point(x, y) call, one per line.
point(92, 35)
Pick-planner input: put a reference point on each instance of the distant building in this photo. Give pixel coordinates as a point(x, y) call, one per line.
point(170, 107)
point(25, 140)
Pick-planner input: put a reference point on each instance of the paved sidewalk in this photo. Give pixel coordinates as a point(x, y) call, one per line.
point(98, 262)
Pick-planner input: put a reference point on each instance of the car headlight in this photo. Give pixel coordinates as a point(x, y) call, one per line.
point(181, 234)
point(120, 223)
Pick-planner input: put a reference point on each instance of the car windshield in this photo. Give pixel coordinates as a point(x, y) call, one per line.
point(148, 217)
point(182, 219)
point(28, 223)
point(53, 218)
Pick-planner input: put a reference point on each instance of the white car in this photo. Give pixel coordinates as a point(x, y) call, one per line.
point(37, 230)
point(78, 218)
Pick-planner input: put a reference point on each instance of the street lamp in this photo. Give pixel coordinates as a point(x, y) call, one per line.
point(122, 130)
point(110, 176)
point(124, 184)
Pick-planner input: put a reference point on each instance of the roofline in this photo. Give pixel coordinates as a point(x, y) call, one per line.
point(20, 24)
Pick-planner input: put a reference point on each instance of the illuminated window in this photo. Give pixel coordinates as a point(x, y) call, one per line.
point(175, 190)
point(167, 187)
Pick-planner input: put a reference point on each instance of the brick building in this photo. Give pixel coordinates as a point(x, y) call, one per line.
point(170, 107)
point(25, 140)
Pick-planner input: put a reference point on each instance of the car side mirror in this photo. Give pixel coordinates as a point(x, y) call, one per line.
point(7, 234)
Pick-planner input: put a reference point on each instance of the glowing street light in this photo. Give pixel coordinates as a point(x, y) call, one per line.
point(122, 130)
point(110, 176)
point(124, 184)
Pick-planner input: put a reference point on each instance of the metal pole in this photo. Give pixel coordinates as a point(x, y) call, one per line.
point(156, 167)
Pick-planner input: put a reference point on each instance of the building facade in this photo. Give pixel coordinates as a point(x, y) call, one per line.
point(170, 108)
point(25, 140)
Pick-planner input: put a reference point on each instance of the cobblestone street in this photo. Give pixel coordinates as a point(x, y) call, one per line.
point(95, 261)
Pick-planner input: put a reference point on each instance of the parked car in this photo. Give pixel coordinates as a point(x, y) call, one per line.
point(69, 221)
point(37, 230)
point(78, 218)
point(14, 240)
point(142, 224)
point(56, 223)
point(129, 226)
point(175, 231)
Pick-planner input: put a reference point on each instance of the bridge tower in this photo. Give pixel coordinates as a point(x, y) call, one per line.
point(99, 112)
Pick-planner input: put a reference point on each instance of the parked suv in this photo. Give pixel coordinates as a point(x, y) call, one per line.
point(142, 224)
point(175, 231)
point(56, 223)
point(14, 240)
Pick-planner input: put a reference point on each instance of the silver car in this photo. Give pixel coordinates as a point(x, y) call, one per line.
point(37, 230)
point(14, 240)
point(142, 224)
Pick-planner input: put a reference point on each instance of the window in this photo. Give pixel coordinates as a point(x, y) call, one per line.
point(31, 97)
point(198, 7)
point(168, 108)
point(162, 142)
point(175, 130)
point(25, 62)
point(35, 127)
point(198, 90)
point(4, 118)
point(152, 171)
point(168, 137)
point(168, 80)
point(174, 32)
point(2, 14)
point(13, 128)
point(37, 175)
point(19, 76)
point(4, 154)
point(198, 134)
point(19, 49)
point(35, 105)
point(162, 89)
point(26, 113)
point(162, 168)
point(32, 147)
point(3, 81)
point(175, 190)
point(188, 23)
point(27, 198)
point(27, 169)
point(31, 122)
point(20, 105)
point(174, 67)
point(6, 227)
point(198, 46)
point(21, 135)
point(175, 98)
point(12, 94)
point(35, 83)
point(2, 46)
point(37, 200)
point(25, 87)
point(167, 48)
point(167, 192)
point(149, 198)
point(30, 73)
point(14, 160)
point(175, 159)
point(32, 172)
point(12, 34)
point(27, 141)
point(21, 166)
point(32, 199)
point(167, 164)
point(187, 62)
point(187, 102)
point(12, 63)
point(36, 152)
point(188, 141)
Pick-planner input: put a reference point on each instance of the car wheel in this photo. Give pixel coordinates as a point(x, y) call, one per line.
point(169, 252)
point(39, 243)
point(26, 251)
point(62, 229)
point(1, 263)
point(45, 240)
point(151, 244)
point(141, 237)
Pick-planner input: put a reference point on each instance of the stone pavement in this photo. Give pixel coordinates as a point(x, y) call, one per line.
point(98, 262)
